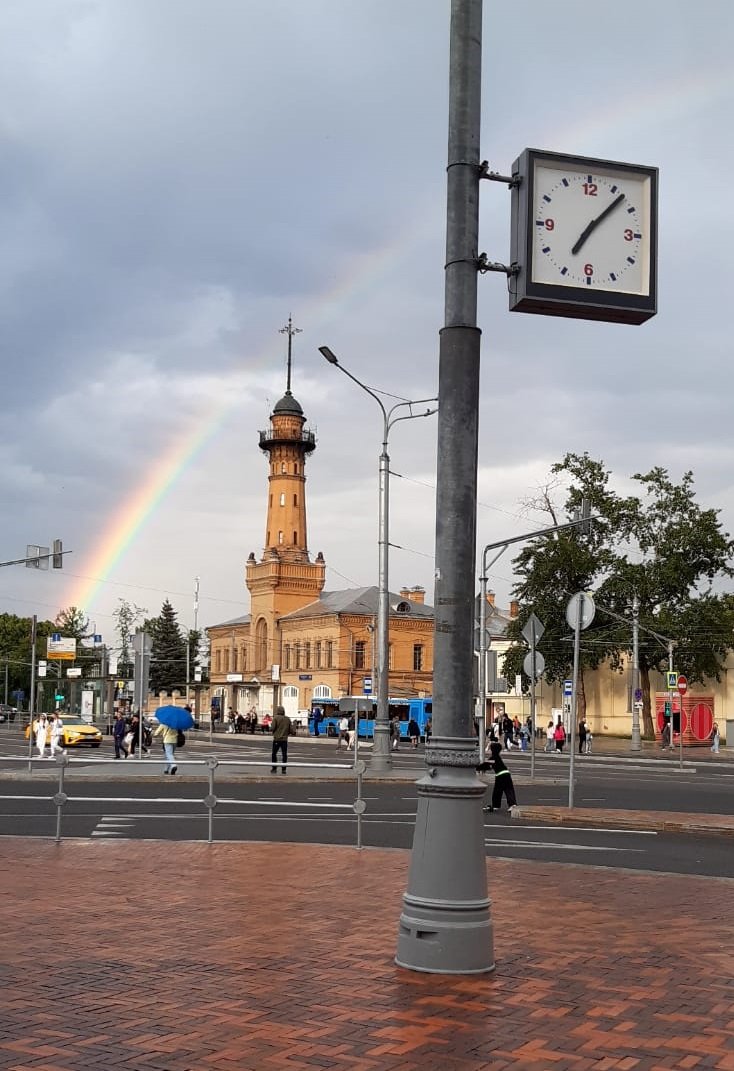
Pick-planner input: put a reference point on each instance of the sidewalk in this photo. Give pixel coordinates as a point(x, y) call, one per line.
point(256, 957)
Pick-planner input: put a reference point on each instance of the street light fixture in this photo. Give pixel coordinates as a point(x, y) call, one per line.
point(381, 760)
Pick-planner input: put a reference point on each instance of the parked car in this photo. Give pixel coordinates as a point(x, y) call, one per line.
point(7, 713)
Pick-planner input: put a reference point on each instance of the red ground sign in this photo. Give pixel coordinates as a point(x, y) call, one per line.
point(682, 684)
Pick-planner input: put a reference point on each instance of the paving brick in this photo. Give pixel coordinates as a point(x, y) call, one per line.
point(172, 970)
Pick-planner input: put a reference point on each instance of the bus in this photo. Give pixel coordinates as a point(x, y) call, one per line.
point(405, 707)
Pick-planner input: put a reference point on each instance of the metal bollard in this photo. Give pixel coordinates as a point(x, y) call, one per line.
point(210, 801)
point(60, 798)
point(359, 804)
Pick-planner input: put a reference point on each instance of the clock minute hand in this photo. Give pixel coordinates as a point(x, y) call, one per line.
point(594, 223)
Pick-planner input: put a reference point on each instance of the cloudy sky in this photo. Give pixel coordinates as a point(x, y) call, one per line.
point(177, 177)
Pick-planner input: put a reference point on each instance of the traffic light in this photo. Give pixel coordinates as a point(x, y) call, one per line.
point(58, 556)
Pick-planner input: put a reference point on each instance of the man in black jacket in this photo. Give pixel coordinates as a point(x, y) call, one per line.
point(281, 730)
point(502, 779)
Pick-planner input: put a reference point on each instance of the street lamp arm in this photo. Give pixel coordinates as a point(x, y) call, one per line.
point(532, 535)
point(408, 416)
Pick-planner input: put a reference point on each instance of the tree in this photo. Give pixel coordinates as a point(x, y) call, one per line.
point(72, 622)
point(126, 617)
point(663, 548)
point(168, 655)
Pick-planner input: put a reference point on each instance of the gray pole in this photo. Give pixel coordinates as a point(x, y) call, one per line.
point(445, 926)
point(670, 696)
point(574, 695)
point(32, 693)
point(482, 675)
point(532, 697)
point(635, 744)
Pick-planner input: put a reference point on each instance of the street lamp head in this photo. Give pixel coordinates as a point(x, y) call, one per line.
point(327, 353)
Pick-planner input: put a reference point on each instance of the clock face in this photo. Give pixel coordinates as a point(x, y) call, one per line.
point(591, 229)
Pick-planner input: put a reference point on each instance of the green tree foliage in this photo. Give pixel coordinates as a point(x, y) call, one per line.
point(168, 656)
point(659, 545)
point(15, 654)
point(72, 622)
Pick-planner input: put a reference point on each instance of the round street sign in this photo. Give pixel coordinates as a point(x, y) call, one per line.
point(587, 610)
point(682, 684)
point(528, 664)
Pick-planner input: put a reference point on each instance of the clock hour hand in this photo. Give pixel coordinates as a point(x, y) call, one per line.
point(594, 223)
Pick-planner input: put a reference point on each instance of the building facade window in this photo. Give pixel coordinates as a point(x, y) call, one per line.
point(295, 500)
point(329, 654)
point(317, 654)
point(390, 656)
point(226, 660)
point(359, 654)
point(297, 654)
point(244, 657)
point(282, 498)
point(261, 644)
point(322, 691)
point(217, 661)
point(417, 657)
point(287, 656)
point(234, 659)
point(280, 538)
point(307, 655)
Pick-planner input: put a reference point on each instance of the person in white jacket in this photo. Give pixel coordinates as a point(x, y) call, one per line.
point(57, 733)
point(41, 736)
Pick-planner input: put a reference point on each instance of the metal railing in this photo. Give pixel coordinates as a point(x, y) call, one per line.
point(61, 797)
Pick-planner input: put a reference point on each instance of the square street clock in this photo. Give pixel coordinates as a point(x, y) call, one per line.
point(584, 238)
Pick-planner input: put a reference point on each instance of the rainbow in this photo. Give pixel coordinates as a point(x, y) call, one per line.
point(688, 93)
point(131, 516)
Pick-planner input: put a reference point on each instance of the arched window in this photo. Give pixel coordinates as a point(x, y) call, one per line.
point(280, 537)
point(290, 692)
point(282, 498)
point(261, 644)
point(322, 691)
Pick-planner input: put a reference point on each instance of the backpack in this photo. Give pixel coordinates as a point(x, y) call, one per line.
point(180, 739)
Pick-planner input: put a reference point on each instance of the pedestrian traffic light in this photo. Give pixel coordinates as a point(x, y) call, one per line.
point(58, 555)
point(667, 709)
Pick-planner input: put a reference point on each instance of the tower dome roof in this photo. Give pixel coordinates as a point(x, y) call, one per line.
point(288, 404)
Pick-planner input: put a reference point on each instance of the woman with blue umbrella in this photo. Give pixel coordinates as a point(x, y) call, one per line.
point(171, 722)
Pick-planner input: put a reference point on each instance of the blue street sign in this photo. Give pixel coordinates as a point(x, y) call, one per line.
point(638, 695)
point(56, 636)
point(568, 687)
point(367, 686)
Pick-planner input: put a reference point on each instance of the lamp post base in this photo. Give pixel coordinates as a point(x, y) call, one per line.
point(380, 759)
point(446, 926)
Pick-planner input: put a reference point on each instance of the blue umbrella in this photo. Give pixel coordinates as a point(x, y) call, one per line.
point(175, 717)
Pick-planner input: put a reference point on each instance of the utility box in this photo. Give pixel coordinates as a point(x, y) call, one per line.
point(730, 733)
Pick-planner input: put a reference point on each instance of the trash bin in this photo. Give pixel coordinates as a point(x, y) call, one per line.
point(730, 733)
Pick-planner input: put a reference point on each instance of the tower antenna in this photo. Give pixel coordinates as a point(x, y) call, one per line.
point(290, 331)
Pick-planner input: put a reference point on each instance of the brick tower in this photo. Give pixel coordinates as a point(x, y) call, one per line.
point(285, 578)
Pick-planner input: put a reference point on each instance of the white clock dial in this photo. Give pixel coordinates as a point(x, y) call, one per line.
point(591, 229)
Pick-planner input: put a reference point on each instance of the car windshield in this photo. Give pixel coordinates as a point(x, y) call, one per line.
point(73, 720)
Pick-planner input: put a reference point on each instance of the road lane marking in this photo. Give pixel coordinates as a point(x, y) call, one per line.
point(554, 844)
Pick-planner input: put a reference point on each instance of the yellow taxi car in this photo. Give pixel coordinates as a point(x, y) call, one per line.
point(78, 732)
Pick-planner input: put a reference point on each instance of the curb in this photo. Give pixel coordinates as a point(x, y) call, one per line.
point(661, 822)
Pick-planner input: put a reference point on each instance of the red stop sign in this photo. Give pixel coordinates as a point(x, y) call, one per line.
point(682, 684)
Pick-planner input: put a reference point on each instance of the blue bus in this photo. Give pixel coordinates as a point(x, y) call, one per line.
point(404, 707)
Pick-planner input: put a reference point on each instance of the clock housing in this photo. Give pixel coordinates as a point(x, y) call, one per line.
point(584, 238)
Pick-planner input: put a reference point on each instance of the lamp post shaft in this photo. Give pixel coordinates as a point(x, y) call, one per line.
point(635, 743)
point(445, 926)
point(381, 746)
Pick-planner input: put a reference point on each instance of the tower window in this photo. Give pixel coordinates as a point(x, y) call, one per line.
point(295, 468)
point(295, 500)
point(282, 466)
point(282, 498)
point(295, 539)
point(280, 537)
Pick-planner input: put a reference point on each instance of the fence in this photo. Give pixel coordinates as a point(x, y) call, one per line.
point(61, 797)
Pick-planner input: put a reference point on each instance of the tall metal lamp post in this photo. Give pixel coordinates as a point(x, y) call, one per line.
point(381, 760)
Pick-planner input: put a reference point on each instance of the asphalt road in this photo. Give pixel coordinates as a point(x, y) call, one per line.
point(273, 807)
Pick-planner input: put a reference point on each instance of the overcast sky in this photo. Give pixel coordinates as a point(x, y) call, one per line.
point(178, 176)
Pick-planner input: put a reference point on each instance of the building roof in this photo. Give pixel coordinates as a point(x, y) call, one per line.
point(358, 601)
point(288, 404)
point(244, 620)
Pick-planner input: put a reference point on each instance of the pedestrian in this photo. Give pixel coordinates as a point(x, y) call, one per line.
point(119, 730)
point(503, 785)
point(343, 732)
point(230, 720)
point(41, 735)
point(57, 734)
point(559, 737)
point(350, 732)
point(582, 736)
point(317, 716)
point(714, 738)
point(414, 732)
point(507, 731)
point(170, 737)
point(549, 733)
point(395, 732)
point(133, 737)
point(214, 718)
point(281, 729)
point(253, 721)
point(429, 728)
point(665, 736)
point(589, 741)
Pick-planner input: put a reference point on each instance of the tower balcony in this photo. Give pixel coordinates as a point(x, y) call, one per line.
point(301, 437)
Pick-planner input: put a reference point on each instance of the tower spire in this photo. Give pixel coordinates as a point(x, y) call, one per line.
point(290, 331)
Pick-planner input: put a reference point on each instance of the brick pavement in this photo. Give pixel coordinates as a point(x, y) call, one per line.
point(152, 956)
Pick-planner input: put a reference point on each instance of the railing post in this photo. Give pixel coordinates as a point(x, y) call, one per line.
point(359, 804)
point(210, 801)
point(60, 798)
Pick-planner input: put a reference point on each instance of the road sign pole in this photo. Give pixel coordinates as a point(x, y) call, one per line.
point(635, 743)
point(532, 698)
point(574, 695)
point(682, 689)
